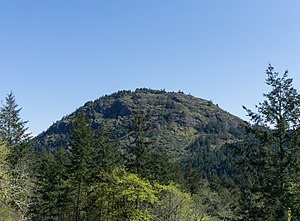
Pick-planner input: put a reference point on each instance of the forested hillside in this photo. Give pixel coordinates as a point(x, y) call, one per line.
point(155, 155)
point(176, 120)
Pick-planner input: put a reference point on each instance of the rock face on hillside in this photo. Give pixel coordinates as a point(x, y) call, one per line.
point(176, 120)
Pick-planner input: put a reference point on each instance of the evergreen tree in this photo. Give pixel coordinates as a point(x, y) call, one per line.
point(81, 166)
point(20, 155)
point(160, 168)
point(12, 127)
point(64, 199)
point(13, 131)
point(44, 200)
point(139, 145)
point(270, 155)
point(147, 161)
point(107, 156)
point(50, 200)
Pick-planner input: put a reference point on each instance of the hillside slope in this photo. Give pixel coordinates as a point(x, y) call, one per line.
point(177, 120)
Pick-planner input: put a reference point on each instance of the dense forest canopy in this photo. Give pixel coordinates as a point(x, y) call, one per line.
point(155, 155)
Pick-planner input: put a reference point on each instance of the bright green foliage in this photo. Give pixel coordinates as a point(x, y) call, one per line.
point(124, 196)
point(134, 189)
point(174, 204)
point(5, 172)
point(7, 214)
point(140, 215)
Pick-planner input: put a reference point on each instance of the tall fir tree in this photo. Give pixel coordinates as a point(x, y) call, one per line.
point(12, 127)
point(51, 198)
point(270, 155)
point(81, 167)
point(13, 130)
point(139, 147)
point(44, 198)
point(14, 134)
point(107, 156)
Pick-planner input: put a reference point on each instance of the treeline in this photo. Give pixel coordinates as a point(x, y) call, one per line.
point(256, 178)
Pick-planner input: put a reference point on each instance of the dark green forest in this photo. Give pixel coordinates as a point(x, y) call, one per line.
point(155, 155)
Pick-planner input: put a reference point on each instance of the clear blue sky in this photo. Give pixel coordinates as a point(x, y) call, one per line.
point(57, 54)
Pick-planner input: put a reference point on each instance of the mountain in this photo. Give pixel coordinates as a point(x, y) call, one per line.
point(177, 120)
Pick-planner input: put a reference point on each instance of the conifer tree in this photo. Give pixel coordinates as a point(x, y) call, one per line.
point(44, 200)
point(270, 156)
point(147, 161)
point(20, 155)
point(51, 199)
point(107, 157)
point(13, 130)
point(63, 201)
point(81, 166)
point(139, 145)
point(12, 127)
